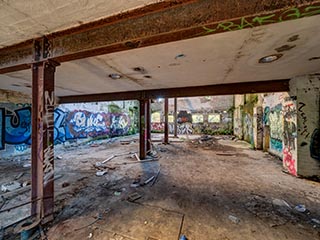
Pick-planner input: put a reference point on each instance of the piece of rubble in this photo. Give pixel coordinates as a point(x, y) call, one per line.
point(101, 173)
point(19, 176)
point(11, 186)
point(234, 219)
point(27, 165)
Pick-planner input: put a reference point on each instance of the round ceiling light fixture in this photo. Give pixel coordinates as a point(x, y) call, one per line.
point(115, 76)
point(270, 58)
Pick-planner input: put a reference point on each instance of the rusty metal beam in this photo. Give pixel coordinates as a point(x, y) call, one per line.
point(43, 101)
point(175, 116)
point(155, 24)
point(208, 90)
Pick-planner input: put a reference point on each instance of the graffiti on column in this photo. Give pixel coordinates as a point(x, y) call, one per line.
point(276, 127)
point(48, 124)
point(315, 145)
point(290, 128)
point(290, 135)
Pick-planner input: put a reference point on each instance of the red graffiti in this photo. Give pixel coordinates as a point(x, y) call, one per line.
point(289, 162)
point(157, 126)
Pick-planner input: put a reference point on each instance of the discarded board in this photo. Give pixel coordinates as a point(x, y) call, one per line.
point(134, 197)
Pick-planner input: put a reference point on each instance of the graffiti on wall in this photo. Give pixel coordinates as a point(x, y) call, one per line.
point(184, 117)
point(304, 130)
point(15, 126)
point(290, 127)
point(2, 130)
point(248, 128)
point(289, 138)
point(276, 127)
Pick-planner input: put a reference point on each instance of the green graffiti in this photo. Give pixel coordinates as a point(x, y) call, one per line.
point(242, 23)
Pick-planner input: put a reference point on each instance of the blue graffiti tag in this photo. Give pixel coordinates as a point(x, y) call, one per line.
point(59, 122)
point(2, 132)
point(18, 126)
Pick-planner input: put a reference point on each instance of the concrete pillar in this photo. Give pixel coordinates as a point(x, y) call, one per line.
point(42, 170)
point(301, 153)
point(166, 122)
point(258, 127)
point(143, 129)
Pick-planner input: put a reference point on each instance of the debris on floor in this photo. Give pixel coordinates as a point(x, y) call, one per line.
point(11, 186)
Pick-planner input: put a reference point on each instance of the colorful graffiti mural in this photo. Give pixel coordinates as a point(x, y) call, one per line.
point(15, 126)
point(290, 137)
point(275, 121)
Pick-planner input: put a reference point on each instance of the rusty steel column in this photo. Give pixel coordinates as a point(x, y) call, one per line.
point(166, 122)
point(143, 129)
point(42, 170)
point(175, 115)
point(148, 123)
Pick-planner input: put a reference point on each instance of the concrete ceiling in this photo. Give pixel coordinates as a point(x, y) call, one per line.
point(228, 57)
point(22, 20)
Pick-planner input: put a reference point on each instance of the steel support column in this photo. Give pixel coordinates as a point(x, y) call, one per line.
point(175, 115)
point(43, 100)
point(148, 123)
point(143, 128)
point(166, 122)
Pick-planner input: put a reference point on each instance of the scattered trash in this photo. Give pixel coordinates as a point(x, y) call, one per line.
point(183, 237)
point(94, 145)
point(101, 173)
point(90, 235)
point(27, 165)
point(116, 193)
point(59, 157)
point(315, 221)
point(19, 176)
point(234, 219)
point(156, 177)
point(108, 159)
point(147, 181)
point(8, 187)
point(136, 183)
point(133, 197)
point(145, 222)
point(26, 183)
point(137, 157)
point(125, 142)
point(300, 208)
point(65, 184)
point(281, 203)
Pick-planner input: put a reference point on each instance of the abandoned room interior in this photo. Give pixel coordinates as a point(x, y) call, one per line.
point(160, 119)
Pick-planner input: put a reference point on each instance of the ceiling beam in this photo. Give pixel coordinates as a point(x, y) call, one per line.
point(154, 24)
point(209, 90)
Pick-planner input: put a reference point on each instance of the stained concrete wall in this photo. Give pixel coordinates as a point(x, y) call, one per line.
point(305, 92)
point(72, 122)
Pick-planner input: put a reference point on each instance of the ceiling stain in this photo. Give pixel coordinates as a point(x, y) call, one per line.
point(314, 58)
point(140, 69)
point(285, 48)
point(293, 38)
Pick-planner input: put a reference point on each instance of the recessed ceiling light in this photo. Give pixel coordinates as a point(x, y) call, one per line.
point(270, 58)
point(115, 76)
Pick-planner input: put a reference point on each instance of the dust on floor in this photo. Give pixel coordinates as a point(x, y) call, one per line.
point(203, 188)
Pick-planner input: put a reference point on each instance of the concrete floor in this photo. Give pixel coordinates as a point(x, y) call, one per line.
point(207, 189)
